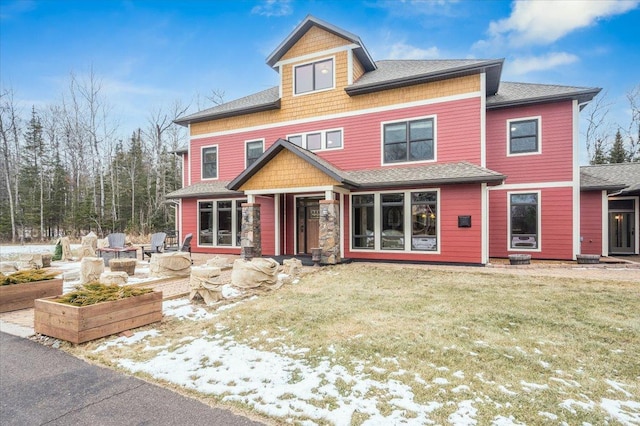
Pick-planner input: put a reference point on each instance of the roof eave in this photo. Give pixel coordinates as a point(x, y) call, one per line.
point(231, 113)
point(426, 78)
point(497, 179)
point(582, 97)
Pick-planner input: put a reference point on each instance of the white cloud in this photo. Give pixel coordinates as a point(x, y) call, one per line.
point(406, 51)
point(543, 22)
point(273, 8)
point(529, 64)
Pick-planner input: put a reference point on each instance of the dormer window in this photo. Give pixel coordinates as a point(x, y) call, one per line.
point(314, 76)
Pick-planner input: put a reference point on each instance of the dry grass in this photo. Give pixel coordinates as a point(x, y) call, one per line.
point(517, 343)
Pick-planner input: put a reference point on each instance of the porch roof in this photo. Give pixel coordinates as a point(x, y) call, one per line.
point(621, 177)
point(216, 188)
point(511, 94)
point(401, 176)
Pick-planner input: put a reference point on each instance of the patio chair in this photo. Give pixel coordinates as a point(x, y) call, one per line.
point(186, 245)
point(116, 249)
point(116, 240)
point(156, 246)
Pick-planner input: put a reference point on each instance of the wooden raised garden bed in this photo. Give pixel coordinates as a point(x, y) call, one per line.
point(78, 324)
point(21, 296)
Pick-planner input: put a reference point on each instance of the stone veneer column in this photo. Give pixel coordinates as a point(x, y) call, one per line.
point(251, 234)
point(330, 231)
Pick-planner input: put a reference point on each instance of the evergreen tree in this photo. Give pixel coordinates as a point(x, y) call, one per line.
point(599, 156)
point(31, 174)
point(618, 153)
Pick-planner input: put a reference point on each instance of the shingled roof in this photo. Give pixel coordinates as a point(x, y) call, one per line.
point(511, 94)
point(397, 177)
point(217, 188)
point(621, 177)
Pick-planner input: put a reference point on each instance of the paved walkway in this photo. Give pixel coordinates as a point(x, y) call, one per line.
point(42, 385)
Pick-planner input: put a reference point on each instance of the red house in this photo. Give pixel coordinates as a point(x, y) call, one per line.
point(425, 160)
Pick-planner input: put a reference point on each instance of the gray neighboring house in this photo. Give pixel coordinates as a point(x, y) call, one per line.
point(616, 188)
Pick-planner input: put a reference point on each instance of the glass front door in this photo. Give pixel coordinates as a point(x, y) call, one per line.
point(621, 233)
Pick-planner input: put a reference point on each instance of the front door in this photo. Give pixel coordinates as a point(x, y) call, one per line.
point(308, 215)
point(621, 233)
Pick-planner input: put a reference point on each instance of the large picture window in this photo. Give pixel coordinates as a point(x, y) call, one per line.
point(388, 221)
point(218, 226)
point(524, 221)
point(210, 162)
point(523, 136)
point(408, 141)
point(313, 76)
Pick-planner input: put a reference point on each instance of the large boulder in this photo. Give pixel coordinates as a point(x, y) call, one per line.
point(176, 264)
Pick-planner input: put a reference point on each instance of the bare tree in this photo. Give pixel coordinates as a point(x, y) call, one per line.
point(9, 131)
point(633, 132)
point(598, 129)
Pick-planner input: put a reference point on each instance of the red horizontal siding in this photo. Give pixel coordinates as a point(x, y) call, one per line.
point(591, 222)
point(556, 233)
point(457, 138)
point(555, 163)
point(457, 245)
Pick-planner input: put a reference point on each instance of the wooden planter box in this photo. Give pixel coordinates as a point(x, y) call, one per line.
point(22, 296)
point(78, 324)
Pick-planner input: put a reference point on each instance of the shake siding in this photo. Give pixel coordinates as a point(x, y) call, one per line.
point(554, 164)
point(460, 245)
point(591, 222)
point(556, 226)
point(314, 40)
point(337, 101)
point(457, 138)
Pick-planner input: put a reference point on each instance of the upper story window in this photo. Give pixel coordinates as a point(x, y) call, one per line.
point(524, 136)
point(314, 76)
point(406, 141)
point(254, 150)
point(210, 162)
point(318, 141)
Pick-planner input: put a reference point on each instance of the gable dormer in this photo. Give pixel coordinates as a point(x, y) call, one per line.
point(318, 57)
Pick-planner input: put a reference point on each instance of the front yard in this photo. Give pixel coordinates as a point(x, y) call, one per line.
point(401, 344)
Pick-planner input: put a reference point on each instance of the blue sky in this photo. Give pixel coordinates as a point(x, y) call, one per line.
point(151, 53)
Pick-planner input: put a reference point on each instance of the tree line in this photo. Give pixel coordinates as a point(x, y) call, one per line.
point(609, 142)
point(67, 171)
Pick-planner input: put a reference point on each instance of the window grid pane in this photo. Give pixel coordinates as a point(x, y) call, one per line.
point(363, 221)
point(254, 151)
point(408, 141)
point(334, 139)
point(523, 136)
point(210, 163)
point(392, 237)
point(424, 221)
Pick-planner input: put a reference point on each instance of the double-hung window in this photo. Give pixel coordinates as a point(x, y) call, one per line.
point(407, 141)
point(524, 216)
point(210, 162)
point(313, 76)
point(524, 136)
point(254, 150)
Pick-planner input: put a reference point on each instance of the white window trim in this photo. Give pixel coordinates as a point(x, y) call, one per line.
point(434, 117)
point(214, 221)
point(407, 222)
point(539, 224)
point(515, 120)
point(323, 136)
point(202, 162)
point(315, 60)
point(246, 150)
